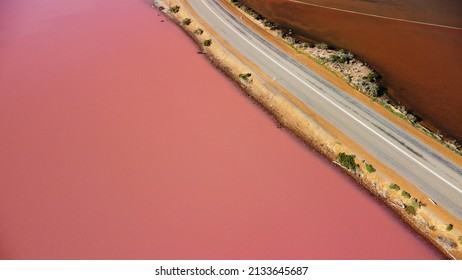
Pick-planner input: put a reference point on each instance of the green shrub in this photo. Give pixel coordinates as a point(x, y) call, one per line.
point(460, 239)
point(449, 227)
point(417, 204)
point(370, 168)
point(347, 161)
point(394, 187)
point(245, 76)
point(174, 9)
point(370, 88)
point(208, 42)
point(406, 194)
point(340, 58)
point(334, 58)
point(371, 77)
point(198, 31)
point(410, 209)
point(186, 21)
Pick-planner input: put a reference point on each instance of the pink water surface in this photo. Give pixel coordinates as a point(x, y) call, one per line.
point(119, 141)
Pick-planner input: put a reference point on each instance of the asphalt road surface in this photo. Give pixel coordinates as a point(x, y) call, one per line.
point(435, 175)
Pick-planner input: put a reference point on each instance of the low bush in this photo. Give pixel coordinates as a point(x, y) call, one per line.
point(347, 161)
point(370, 168)
point(186, 21)
point(406, 194)
point(417, 204)
point(370, 88)
point(343, 58)
point(208, 42)
point(371, 77)
point(198, 31)
point(394, 187)
point(449, 227)
point(245, 76)
point(175, 9)
point(410, 210)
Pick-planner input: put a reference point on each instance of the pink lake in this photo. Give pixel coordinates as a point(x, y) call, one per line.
point(119, 141)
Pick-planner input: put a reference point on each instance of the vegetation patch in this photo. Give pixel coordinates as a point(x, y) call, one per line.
point(245, 76)
point(410, 210)
point(449, 227)
point(342, 57)
point(175, 9)
point(198, 31)
point(186, 21)
point(207, 43)
point(394, 187)
point(406, 194)
point(370, 168)
point(347, 161)
point(416, 203)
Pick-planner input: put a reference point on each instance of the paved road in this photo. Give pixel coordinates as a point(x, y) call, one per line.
point(437, 176)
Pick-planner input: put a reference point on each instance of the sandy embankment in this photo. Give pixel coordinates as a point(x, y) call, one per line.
point(430, 220)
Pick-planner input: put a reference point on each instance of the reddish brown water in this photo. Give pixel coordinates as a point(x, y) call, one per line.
point(421, 64)
point(118, 141)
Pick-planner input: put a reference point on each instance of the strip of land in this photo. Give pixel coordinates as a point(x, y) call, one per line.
point(276, 92)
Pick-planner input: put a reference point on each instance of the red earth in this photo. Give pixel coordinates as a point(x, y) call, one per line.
point(119, 141)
